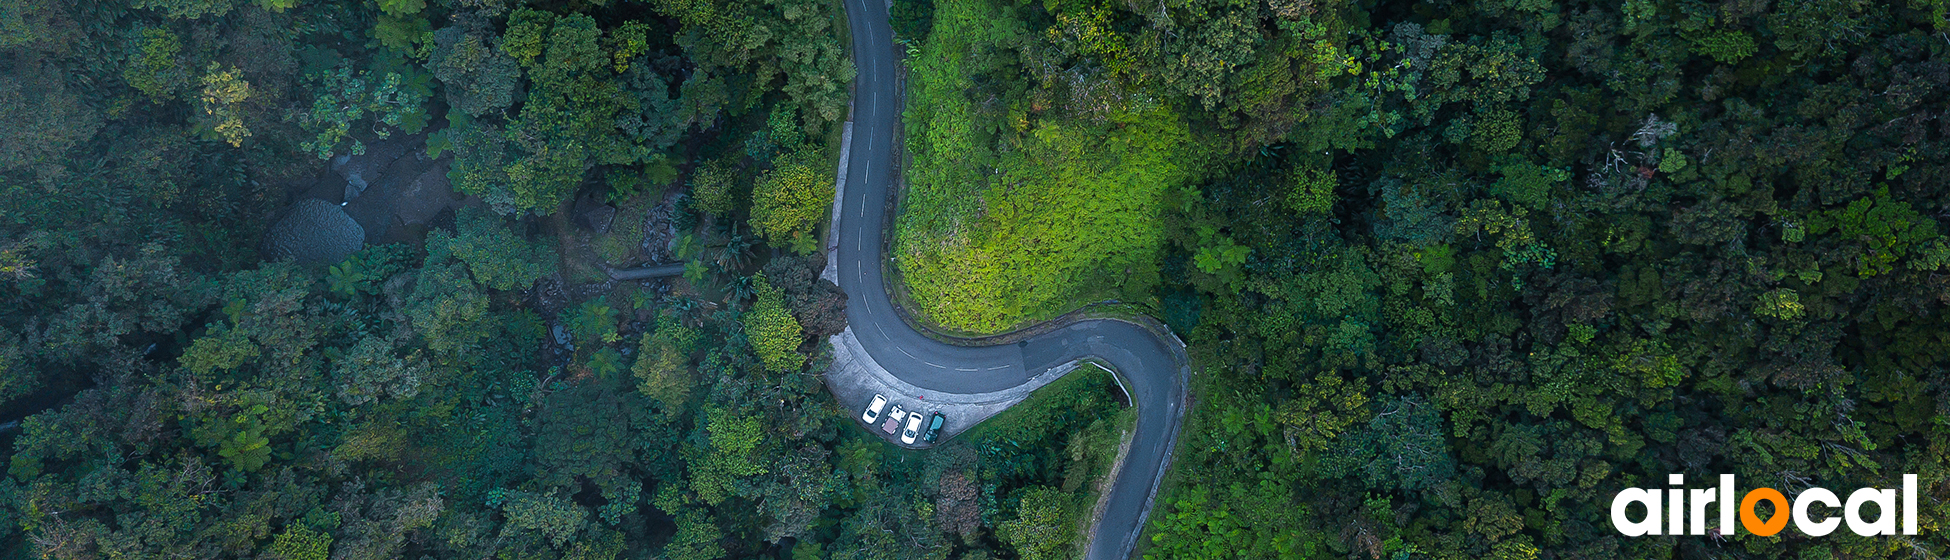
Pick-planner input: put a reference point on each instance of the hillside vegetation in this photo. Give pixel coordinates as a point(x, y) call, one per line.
point(1027, 197)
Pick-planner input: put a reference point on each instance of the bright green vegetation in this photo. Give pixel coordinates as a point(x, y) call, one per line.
point(790, 201)
point(772, 330)
point(178, 397)
point(1024, 200)
point(1455, 273)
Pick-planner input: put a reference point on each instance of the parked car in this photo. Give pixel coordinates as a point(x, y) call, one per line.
point(873, 409)
point(934, 427)
point(894, 418)
point(913, 428)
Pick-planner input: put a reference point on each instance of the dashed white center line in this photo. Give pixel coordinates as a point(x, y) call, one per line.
point(1004, 366)
point(935, 365)
point(964, 369)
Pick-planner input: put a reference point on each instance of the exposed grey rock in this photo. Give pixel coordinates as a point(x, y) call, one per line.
point(355, 185)
point(314, 231)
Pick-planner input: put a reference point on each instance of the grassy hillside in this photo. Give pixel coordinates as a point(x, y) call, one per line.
point(1027, 199)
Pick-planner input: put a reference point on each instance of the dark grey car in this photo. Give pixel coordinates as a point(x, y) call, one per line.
point(934, 427)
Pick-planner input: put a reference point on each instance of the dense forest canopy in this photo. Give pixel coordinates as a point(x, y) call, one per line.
point(1452, 273)
point(190, 367)
point(1455, 273)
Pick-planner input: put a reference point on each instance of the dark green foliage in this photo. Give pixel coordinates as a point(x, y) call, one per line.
point(381, 101)
point(593, 322)
point(478, 77)
point(912, 20)
point(1452, 273)
point(497, 256)
point(1575, 248)
point(179, 396)
point(1402, 448)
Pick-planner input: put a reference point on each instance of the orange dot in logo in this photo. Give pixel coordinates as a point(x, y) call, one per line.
point(1774, 524)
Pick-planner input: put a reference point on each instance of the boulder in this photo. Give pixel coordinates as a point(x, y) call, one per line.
point(314, 231)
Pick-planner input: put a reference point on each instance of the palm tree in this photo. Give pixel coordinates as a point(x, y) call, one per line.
point(685, 307)
point(739, 290)
point(737, 251)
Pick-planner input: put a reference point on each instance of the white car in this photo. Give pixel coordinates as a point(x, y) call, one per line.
point(913, 428)
point(873, 409)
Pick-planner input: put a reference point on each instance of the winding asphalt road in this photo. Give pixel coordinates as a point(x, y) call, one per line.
point(1154, 369)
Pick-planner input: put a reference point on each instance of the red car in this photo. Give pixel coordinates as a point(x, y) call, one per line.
point(894, 418)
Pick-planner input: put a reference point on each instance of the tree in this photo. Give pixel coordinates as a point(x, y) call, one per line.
point(605, 363)
point(225, 350)
point(663, 366)
point(41, 117)
point(802, 485)
point(1887, 229)
point(1043, 527)
point(300, 542)
point(696, 539)
point(774, 334)
point(566, 125)
point(1527, 184)
point(370, 370)
point(712, 185)
point(344, 98)
point(790, 201)
point(718, 471)
point(497, 256)
point(593, 323)
point(242, 438)
point(447, 309)
point(223, 90)
point(1402, 447)
point(554, 516)
point(1312, 191)
point(818, 305)
point(479, 78)
point(1320, 412)
point(157, 71)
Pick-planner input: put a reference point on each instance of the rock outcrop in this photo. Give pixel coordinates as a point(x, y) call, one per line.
point(314, 231)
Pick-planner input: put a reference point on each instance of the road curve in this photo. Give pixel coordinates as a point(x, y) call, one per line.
point(1153, 369)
